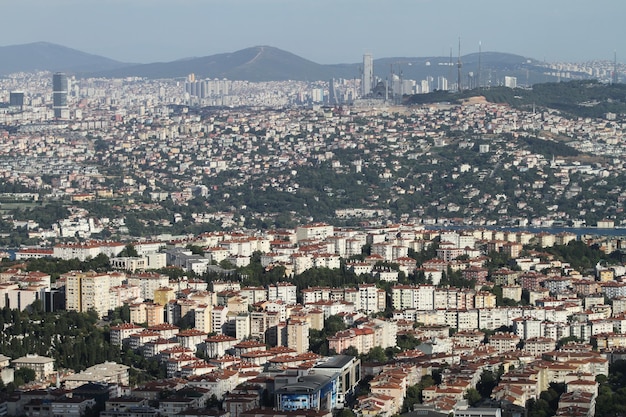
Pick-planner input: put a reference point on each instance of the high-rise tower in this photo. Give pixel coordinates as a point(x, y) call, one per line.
point(367, 79)
point(16, 99)
point(333, 99)
point(60, 90)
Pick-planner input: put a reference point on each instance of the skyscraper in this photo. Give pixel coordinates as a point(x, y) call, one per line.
point(16, 99)
point(60, 90)
point(367, 79)
point(332, 93)
point(510, 82)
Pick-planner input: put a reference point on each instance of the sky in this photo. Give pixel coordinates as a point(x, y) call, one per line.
point(324, 31)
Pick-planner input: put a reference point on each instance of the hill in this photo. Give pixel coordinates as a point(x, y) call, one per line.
point(44, 56)
point(493, 67)
point(259, 63)
point(266, 63)
point(579, 98)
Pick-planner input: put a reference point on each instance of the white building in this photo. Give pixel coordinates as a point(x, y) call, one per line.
point(282, 291)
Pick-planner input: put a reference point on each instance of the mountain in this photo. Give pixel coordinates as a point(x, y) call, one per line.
point(259, 63)
point(266, 63)
point(44, 56)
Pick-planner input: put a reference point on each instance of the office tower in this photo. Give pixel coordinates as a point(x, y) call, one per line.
point(442, 83)
point(332, 93)
point(510, 82)
point(367, 79)
point(60, 89)
point(317, 95)
point(16, 99)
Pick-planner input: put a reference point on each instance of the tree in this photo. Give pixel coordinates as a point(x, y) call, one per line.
point(346, 412)
point(334, 324)
point(376, 354)
point(350, 351)
point(472, 396)
point(407, 342)
point(487, 383)
point(129, 251)
point(24, 376)
point(414, 393)
point(565, 340)
point(195, 249)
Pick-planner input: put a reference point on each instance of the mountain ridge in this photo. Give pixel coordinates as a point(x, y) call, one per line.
point(257, 63)
point(46, 56)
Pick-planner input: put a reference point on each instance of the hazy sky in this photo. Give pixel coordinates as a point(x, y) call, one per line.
point(324, 31)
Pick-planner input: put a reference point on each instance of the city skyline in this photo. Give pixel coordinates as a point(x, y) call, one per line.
point(322, 31)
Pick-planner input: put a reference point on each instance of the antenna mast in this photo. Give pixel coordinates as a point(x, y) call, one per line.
point(450, 63)
point(458, 66)
point(614, 67)
point(479, 62)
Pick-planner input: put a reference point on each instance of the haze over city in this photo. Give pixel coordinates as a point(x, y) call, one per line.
point(324, 31)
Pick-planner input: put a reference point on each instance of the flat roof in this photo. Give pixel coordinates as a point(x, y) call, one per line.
point(308, 383)
point(33, 359)
point(337, 361)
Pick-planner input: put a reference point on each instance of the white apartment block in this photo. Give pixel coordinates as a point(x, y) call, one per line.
point(156, 260)
point(148, 283)
point(219, 319)
point(123, 294)
point(238, 247)
point(254, 294)
point(467, 320)
point(80, 252)
point(216, 254)
point(317, 231)
point(311, 295)
point(259, 244)
point(145, 248)
point(384, 249)
point(298, 335)
point(354, 245)
point(492, 318)
point(90, 291)
point(282, 291)
point(42, 365)
point(326, 260)
point(242, 326)
point(527, 327)
point(332, 308)
point(370, 299)
point(301, 262)
point(220, 286)
point(202, 318)
point(419, 297)
point(385, 332)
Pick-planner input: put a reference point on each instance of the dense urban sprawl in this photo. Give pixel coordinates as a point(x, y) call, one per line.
point(262, 258)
